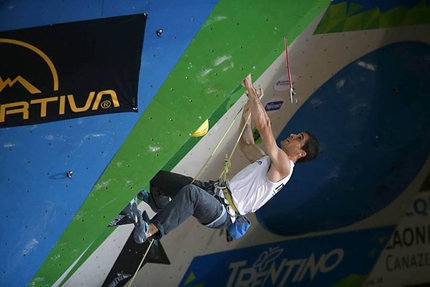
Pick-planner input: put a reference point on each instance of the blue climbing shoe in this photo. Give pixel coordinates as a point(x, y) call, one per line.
point(131, 210)
point(140, 230)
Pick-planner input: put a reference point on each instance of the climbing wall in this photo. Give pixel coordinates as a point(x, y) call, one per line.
point(315, 62)
point(51, 220)
point(194, 56)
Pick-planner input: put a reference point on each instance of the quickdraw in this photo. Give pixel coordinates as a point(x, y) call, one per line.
point(293, 98)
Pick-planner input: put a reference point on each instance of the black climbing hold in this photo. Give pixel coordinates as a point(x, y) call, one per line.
point(159, 32)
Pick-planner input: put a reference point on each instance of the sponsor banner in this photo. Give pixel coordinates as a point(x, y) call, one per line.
point(274, 105)
point(70, 70)
point(406, 258)
point(342, 259)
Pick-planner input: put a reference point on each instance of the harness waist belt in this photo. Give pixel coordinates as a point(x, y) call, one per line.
point(227, 195)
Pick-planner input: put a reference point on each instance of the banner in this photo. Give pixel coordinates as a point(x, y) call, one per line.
point(406, 259)
point(70, 70)
point(342, 259)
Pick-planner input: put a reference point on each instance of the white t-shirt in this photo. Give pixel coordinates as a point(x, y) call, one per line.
point(251, 189)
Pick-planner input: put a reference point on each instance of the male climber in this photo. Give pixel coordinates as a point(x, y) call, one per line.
point(176, 199)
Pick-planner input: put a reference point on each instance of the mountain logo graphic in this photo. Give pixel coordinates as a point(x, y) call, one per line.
point(27, 85)
point(8, 82)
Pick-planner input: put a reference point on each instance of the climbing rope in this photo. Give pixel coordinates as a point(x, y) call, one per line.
point(227, 160)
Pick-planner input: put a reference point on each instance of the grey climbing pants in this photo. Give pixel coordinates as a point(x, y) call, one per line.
point(187, 200)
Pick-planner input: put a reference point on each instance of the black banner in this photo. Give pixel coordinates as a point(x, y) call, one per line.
point(70, 70)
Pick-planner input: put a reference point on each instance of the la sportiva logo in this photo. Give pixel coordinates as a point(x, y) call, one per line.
point(30, 88)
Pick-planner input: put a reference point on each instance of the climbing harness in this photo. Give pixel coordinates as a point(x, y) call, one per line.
point(293, 99)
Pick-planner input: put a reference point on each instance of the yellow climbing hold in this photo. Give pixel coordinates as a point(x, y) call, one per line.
point(202, 130)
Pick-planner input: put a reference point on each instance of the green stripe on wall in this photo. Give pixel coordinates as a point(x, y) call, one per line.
point(345, 16)
point(248, 36)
